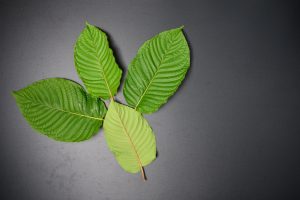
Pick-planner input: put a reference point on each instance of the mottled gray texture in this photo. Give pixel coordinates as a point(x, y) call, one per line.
point(231, 132)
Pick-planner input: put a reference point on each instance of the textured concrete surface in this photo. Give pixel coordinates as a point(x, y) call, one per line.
point(230, 132)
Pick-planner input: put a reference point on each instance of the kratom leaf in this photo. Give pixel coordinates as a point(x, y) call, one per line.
point(61, 109)
point(129, 137)
point(95, 63)
point(157, 71)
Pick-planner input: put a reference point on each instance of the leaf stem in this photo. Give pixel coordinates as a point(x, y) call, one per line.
point(144, 177)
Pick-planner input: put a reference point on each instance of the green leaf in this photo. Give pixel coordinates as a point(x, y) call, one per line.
point(61, 109)
point(95, 63)
point(157, 71)
point(129, 137)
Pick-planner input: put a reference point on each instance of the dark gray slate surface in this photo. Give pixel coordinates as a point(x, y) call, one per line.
point(231, 132)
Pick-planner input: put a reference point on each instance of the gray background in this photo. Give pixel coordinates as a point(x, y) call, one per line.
point(231, 132)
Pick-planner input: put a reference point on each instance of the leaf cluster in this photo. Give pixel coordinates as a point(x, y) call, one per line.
point(63, 110)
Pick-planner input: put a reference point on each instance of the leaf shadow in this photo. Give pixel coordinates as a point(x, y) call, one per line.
point(186, 75)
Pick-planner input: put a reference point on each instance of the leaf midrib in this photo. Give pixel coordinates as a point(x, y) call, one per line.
point(101, 71)
point(158, 67)
point(69, 112)
point(131, 142)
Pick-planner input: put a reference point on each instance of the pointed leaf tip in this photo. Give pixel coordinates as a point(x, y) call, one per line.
point(87, 23)
point(14, 93)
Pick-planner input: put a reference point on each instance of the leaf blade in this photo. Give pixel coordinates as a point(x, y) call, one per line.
point(60, 109)
point(129, 137)
point(95, 63)
point(157, 71)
